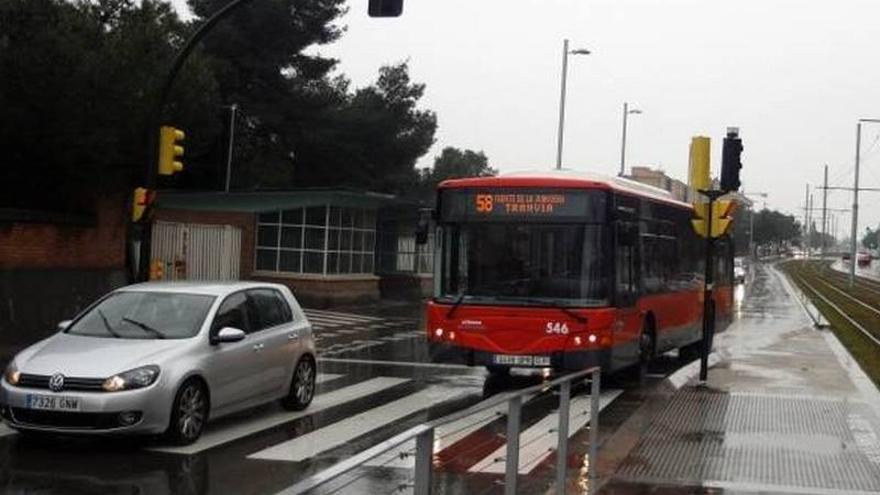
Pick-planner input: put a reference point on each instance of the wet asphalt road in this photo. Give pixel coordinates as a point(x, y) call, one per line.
point(375, 381)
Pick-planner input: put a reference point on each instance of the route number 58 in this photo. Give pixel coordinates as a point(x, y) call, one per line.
point(484, 203)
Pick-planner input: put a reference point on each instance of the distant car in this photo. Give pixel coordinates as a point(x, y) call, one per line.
point(164, 358)
point(846, 256)
point(863, 259)
point(739, 272)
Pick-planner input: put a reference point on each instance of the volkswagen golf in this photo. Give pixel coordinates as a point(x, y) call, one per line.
point(163, 358)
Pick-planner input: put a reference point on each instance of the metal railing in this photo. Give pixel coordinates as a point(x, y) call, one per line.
point(424, 436)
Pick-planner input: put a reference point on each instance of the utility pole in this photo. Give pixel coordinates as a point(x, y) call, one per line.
point(806, 218)
point(810, 229)
point(855, 209)
point(824, 210)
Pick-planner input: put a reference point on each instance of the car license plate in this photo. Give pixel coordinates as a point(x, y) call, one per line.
point(511, 360)
point(52, 402)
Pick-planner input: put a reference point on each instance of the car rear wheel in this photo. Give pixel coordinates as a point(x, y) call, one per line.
point(189, 413)
point(302, 386)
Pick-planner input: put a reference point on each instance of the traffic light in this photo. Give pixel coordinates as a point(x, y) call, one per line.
point(157, 270)
point(170, 149)
point(385, 8)
point(141, 200)
point(698, 167)
point(730, 160)
point(722, 217)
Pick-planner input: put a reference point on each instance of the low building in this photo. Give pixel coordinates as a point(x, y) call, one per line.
point(330, 246)
point(659, 179)
point(54, 264)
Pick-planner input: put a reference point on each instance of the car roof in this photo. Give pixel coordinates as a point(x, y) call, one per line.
point(212, 288)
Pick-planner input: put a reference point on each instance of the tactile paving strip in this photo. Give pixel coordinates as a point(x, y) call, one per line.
point(786, 441)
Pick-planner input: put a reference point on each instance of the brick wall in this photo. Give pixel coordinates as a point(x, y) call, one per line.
point(51, 245)
point(245, 221)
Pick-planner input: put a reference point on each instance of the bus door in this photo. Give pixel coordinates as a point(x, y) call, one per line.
point(626, 282)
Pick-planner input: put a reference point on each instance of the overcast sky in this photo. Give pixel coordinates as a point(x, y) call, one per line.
point(794, 75)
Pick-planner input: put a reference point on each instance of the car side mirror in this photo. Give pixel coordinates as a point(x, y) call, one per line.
point(227, 335)
point(62, 325)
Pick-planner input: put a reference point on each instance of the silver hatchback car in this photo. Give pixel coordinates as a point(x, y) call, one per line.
point(163, 358)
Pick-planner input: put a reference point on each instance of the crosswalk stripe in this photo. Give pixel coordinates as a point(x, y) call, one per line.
point(326, 377)
point(538, 442)
point(214, 437)
point(445, 436)
point(323, 439)
point(5, 430)
point(329, 315)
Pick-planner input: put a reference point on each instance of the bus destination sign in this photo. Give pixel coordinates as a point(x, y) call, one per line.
point(521, 204)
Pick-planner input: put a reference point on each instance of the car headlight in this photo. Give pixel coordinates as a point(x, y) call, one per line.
point(132, 379)
point(12, 374)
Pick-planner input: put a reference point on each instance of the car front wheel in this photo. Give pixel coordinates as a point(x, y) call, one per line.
point(189, 413)
point(302, 387)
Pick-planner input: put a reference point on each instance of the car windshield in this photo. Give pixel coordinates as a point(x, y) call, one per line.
point(557, 264)
point(144, 315)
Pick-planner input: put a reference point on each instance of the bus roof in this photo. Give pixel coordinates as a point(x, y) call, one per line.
point(571, 179)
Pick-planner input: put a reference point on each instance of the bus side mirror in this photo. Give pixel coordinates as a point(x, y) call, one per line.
point(423, 225)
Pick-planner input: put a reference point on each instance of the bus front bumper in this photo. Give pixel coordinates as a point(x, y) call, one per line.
point(442, 352)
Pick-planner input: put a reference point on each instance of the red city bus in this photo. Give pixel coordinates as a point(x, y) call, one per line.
point(567, 270)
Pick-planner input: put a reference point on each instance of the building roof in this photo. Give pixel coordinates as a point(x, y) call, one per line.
point(256, 201)
point(566, 178)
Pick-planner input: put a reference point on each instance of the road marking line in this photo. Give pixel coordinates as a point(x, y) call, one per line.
point(250, 425)
point(326, 377)
point(340, 316)
point(445, 436)
point(313, 443)
point(539, 440)
point(395, 363)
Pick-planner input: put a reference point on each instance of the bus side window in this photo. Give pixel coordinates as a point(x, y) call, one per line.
point(625, 264)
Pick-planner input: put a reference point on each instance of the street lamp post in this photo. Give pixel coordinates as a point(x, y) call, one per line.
point(626, 112)
point(232, 109)
point(559, 137)
point(853, 243)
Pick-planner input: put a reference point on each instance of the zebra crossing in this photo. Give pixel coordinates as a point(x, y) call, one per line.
point(473, 444)
point(331, 328)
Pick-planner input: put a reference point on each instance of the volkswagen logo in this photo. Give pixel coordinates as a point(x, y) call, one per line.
point(56, 382)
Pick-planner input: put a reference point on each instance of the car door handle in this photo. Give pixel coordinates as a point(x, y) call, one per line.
point(293, 336)
point(258, 347)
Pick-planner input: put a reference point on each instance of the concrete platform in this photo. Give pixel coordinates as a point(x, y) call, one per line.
point(785, 410)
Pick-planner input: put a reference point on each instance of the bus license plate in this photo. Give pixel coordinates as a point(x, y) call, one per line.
point(52, 403)
point(509, 360)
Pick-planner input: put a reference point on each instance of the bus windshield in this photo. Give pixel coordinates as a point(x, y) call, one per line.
point(515, 263)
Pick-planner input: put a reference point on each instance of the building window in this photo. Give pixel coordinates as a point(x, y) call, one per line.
point(324, 240)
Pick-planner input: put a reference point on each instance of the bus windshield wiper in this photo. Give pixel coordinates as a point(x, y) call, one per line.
point(108, 326)
point(560, 307)
point(145, 327)
point(455, 305)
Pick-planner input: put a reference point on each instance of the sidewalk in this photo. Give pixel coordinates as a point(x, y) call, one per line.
point(785, 410)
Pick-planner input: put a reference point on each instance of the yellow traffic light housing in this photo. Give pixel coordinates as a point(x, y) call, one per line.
point(170, 149)
point(157, 270)
point(722, 217)
point(141, 199)
point(698, 168)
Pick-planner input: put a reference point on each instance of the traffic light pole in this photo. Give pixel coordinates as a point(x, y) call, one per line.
point(144, 229)
point(708, 286)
